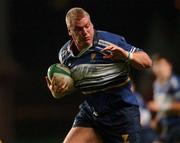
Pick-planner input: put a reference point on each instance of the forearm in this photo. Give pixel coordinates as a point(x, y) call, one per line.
point(175, 106)
point(153, 106)
point(140, 60)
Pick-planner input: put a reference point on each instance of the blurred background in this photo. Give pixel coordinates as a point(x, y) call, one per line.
point(31, 34)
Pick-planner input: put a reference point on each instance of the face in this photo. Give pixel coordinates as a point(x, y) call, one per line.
point(162, 69)
point(82, 32)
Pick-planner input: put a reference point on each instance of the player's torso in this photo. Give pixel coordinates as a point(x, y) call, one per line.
point(94, 75)
point(165, 94)
point(169, 90)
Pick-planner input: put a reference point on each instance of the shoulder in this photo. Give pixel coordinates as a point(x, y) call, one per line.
point(109, 35)
point(105, 38)
point(63, 52)
point(175, 81)
point(65, 46)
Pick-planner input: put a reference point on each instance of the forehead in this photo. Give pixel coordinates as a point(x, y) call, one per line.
point(161, 62)
point(80, 22)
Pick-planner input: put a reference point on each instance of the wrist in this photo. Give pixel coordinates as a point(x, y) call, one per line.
point(130, 56)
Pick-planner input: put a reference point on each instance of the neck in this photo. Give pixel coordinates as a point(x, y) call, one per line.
point(80, 48)
point(163, 80)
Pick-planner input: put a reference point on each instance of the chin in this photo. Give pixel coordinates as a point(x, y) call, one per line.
point(88, 43)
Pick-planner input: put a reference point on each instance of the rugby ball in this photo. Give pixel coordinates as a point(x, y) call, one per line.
point(61, 71)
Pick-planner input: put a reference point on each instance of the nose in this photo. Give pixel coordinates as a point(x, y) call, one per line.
point(84, 31)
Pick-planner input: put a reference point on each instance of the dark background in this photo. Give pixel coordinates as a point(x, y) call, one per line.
point(32, 34)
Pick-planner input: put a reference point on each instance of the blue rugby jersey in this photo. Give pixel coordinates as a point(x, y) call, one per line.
point(165, 94)
point(93, 74)
point(168, 93)
point(171, 88)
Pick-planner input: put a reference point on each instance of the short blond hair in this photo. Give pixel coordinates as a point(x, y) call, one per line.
point(74, 14)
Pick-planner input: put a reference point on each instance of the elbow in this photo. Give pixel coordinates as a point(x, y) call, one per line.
point(148, 63)
point(143, 64)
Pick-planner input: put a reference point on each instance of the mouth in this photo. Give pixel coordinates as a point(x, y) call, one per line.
point(86, 38)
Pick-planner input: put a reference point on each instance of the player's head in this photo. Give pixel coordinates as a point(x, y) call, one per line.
point(162, 67)
point(80, 27)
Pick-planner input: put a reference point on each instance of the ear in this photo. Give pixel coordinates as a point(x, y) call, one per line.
point(69, 32)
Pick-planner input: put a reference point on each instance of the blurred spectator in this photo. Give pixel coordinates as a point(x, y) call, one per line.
point(148, 134)
point(165, 104)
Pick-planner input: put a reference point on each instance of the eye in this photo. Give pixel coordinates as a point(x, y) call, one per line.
point(87, 25)
point(77, 29)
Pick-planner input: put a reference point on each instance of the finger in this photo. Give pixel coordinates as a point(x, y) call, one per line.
point(54, 84)
point(47, 81)
point(63, 84)
point(53, 80)
point(57, 85)
point(60, 89)
point(108, 56)
point(108, 48)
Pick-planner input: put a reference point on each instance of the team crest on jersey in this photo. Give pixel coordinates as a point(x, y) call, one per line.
point(125, 138)
point(93, 56)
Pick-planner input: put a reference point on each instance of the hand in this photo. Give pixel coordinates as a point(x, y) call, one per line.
point(117, 52)
point(57, 87)
point(153, 106)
